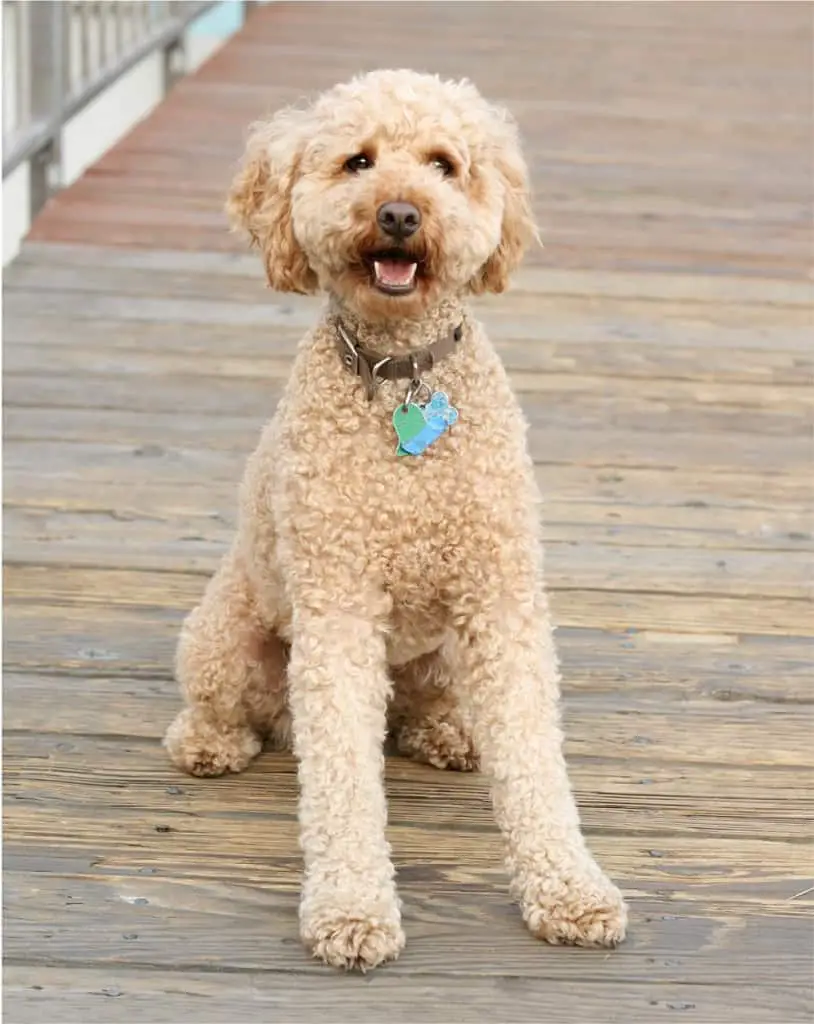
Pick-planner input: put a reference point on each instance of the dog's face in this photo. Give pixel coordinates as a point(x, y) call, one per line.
point(393, 192)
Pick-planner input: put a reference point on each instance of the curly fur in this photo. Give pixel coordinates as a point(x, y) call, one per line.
point(366, 592)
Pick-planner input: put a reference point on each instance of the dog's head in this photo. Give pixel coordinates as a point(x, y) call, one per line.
point(392, 191)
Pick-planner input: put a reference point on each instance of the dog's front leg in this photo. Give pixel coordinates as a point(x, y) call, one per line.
point(338, 689)
point(510, 671)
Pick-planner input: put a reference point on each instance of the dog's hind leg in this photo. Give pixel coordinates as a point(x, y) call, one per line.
point(232, 672)
point(426, 717)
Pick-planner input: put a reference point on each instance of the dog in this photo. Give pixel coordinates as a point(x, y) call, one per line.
point(386, 573)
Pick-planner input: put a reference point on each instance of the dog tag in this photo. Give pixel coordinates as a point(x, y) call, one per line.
point(408, 421)
point(417, 427)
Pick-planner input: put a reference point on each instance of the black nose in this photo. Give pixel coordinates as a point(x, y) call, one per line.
point(399, 220)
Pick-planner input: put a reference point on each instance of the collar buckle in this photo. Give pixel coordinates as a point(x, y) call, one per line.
point(350, 353)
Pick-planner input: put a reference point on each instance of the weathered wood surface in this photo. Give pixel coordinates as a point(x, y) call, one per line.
point(662, 347)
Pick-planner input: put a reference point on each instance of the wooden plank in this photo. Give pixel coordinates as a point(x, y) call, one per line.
point(48, 768)
point(580, 560)
point(669, 881)
point(725, 296)
point(187, 840)
point(557, 443)
point(659, 838)
point(575, 499)
point(680, 613)
point(162, 272)
point(565, 522)
point(562, 342)
point(147, 996)
point(759, 732)
point(151, 173)
point(648, 801)
point(239, 923)
point(615, 612)
point(774, 407)
point(668, 405)
point(730, 668)
point(163, 225)
point(773, 493)
point(249, 306)
point(779, 217)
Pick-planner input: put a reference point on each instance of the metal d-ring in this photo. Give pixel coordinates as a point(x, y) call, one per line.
point(374, 371)
point(414, 389)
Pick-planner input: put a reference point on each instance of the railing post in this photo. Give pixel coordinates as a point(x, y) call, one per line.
point(174, 66)
point(175, 55)
point(48, 86)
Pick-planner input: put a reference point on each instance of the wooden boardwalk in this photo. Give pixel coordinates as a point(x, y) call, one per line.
point(662, 346)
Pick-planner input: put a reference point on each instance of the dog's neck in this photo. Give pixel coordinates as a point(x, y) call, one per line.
point(400, 337)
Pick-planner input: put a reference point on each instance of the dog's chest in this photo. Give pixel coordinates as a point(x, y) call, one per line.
point(416, 561)
point(413, 522)
point(407, 509)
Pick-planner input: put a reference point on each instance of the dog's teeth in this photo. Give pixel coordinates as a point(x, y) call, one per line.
point(395, 273)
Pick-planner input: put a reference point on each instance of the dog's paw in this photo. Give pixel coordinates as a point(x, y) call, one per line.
point(441, 742)
point(199, 747)
point(354, 941)
point(580, 911)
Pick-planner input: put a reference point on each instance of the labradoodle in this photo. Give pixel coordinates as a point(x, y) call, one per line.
point(387, 571)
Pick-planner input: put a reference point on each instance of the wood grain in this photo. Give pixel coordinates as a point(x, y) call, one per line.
point(630, 612)
point(661, 346)
point(614, 799)
point(148, 996)
point(624, 560)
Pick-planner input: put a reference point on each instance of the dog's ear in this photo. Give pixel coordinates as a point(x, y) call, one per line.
point(518, 229)
point(259, 199)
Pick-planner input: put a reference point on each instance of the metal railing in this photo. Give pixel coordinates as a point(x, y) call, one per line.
point(59, 55)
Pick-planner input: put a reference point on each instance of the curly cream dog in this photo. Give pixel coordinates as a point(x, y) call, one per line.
point(370, 589)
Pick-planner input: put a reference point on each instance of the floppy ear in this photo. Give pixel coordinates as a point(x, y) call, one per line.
point(259, 200)
point(518, 229)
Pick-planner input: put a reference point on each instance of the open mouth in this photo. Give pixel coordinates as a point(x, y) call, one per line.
point(394, 271)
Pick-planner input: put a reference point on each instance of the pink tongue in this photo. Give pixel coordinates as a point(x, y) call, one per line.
point(395, 271)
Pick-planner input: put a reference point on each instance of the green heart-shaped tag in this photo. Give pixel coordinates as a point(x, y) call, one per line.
point(408, 421)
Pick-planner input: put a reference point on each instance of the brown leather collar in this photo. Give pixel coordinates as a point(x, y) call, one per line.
point(373, 367)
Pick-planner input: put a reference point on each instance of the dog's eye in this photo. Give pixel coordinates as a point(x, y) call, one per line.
point(440, 163)
point(360, 162)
